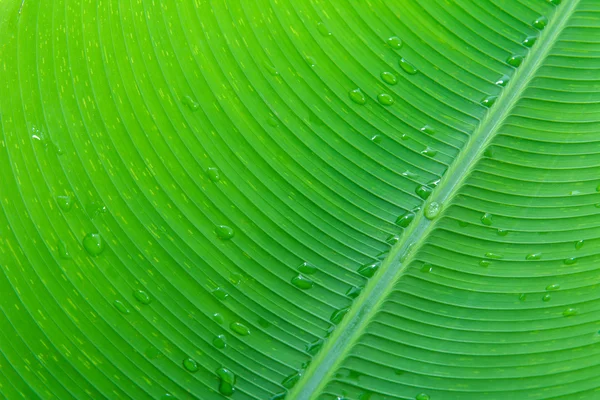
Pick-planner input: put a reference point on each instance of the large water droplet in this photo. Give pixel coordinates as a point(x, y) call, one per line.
point(389, 78)
point(428, 130)
point(422, 396)
point(503, 80)
point(579, 244)
point(224, 232)
point(405, 219)
point(93, 244)
point(239, 328)
point(64, 202)
point(226, 381)
point(429, 152)
point(432, 210)
point(529, 41)
point(486, 219)
point(307, 268)
point(220, 342)
point(353, 292)
point(395, 42)
point(338, 315)
point(424, 191)
point(142, 297)
point(554, 286)
point(119, 305)
point(540, 23)
point(385, 99)
point(546, 297)
point(218, 318)
point(191, 103)
point(190, 364)
point(489, 101)
point(302, 282)
point(323, 30)
point(515, 60)
point(569, 312)
point(407, 67)
point(213, 174)
point(570, 261)
point(220, 293)
point(368, 270)
point(357, 96)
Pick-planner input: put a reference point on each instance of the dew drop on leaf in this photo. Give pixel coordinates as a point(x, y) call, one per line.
point(429, 152)
point(368, 270)
point(495, 256)
point(218, 318)
point(569, 312)
point(502, 232)
point(353, 292)
point(313, 347)
point(405, 219)
point(422, 396)
point(484, 263)
point(190, 364)
point(554, 286)
point(63, 251)
point(540, 23)
point(486, 219)
point(395, 42)
point(515, 60)
point(226, 381)
point(220, 293)
point(191, 103)
point(423, 191)
point(533, 256)
point(119, 305)
point(428, 130)
point(427, 267)
point(357, 96)
point(338, 315)
point(213, 174)
point(142, 297)
point(522, 297)
point(291, 380)
point(407, 67)
point(503, 80)
point(570, 261)
point(93, 244)
point(64, 202)
point(546, 297)
point(489, 101)
point(322, 28)
point(302, 282)
point(579, 244)
point(239, 328)
point(432, 210)
point(376, 139)
point(389, 78)
point(307, 268)
point(529, 41)
point(385, 99)
point(224, 232)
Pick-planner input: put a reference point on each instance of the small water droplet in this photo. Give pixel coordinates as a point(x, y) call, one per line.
point(302, 282)
point(353, 292)
point(279, 396)
point(142, 296)
point(502, 232)
point(427, 267)
point(484, 263)
point(307, 268)
point(220, 342)
point(486, 219)
point(432, 210)
point(376, 139)
point(428, 130)
point(357, 96)
point(322, 28)
point(218, 318)
point(424, 191)
point(368, 270)
point(311, 61)
point(570, 261)
point(489, 101)
point(385, 99)
point(236, 278)
point(213, 174)
point(93, 244)
point(515, 60)
point(190, 364)
point(405, 219)
point(63, 251)
point(393, 239)
point(389, 78)
point(226, 381)
point(529, 41)
point(495, 256)
point(554, 286)
point(579, 244)
point(394, 42)
point(540, 23)
point(422, 396)
point(503, 80)
point(220, 293)
point(291, 380)
point(429, 152)
point(546, 297)
point(407, 67)
point(338, 315)
point(64, 202)
point(533, 256)
point(554, 2)
point(224, 232)
point(569, 312)
point(167, 396)
point(191, 103)
point(239, 328)
point(313, 347)
point(270, 68)
point(119, 305)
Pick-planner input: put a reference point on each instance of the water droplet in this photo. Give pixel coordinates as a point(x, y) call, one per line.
point(570, 261)
point(486, 219)
point(311, 61)
point(323, 29)
point(484, 263)
point(579, 244)
point(338, 315)
point(429, 152)
point(428, 130)
point(191, 103)
point(382, 255)
point(239, 328)
point(64, 202)
point(533, 256)
point(502, 232)
point(142, 297)
point(395, 42)
point(353, 292)
point(522, 297)
point(121, 307)
point(422, 396)
point(529, 41)
point(405, 219)
point(357, 96)
point(540, 23)
point(270, 69)
point(152, 352)
point(226, 381)
point(167, 396)
point(291, 380)
point(495, 256)
point(279, 396)
point(389, 78)
point(569, 312)
point(307, 268)
point(63, 251)
point(404, 136)
point(272, 121)
point(218, 318)
point(554, 286)
point(213, 174)
point(302, 282)
point(368, 270)
point(376, 139)
point(93, 244)
point(489, 101)
point(393, 239)
point(424, 191)
point(385, 99)
point(408, 68)
point(554, 2)
point(515, 60)
point(546, 297)
point(427, 267)
point(313, 347)
point(190, 364)
point(94, 209)
point(220, 342)
point(220, 293)
point(432, 210)
point(236, 278)
point(224, 232)
point(503, 80)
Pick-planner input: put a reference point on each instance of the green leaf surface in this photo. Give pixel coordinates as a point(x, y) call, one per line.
point(300, 199)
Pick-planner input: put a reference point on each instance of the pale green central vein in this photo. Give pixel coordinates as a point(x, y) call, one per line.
point(366, 305)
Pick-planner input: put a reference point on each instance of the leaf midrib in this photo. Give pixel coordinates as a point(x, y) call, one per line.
point(378, 288)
